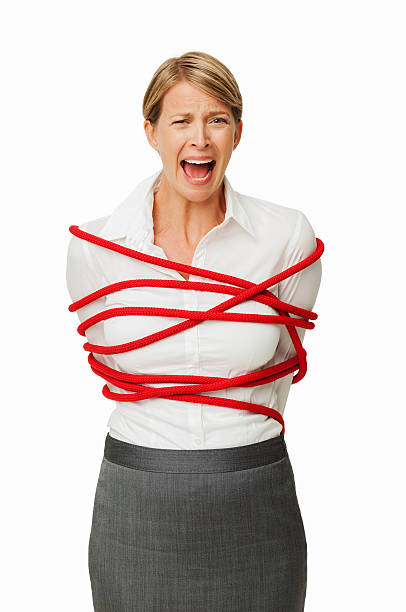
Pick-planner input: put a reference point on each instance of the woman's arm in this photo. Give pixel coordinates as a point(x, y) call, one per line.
point(301, 290)
point(83, 276)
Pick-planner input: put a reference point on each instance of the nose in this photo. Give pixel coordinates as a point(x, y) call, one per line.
point(200, 136)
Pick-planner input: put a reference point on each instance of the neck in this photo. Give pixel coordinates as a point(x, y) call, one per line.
point(186, 221)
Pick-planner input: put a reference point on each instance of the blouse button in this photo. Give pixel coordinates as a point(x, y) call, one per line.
point(198, 441)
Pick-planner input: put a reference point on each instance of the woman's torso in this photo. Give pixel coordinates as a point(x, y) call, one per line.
point(257, 241)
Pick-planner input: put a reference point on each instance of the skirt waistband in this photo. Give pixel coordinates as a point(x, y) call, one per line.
point(195, 461)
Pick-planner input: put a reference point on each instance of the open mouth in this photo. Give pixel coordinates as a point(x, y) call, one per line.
point(198, 172)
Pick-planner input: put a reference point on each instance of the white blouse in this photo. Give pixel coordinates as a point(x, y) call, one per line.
point(257, 240)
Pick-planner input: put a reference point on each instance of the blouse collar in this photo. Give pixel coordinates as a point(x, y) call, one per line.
point(132, 218)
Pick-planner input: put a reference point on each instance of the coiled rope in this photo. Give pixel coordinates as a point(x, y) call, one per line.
point(241, 291)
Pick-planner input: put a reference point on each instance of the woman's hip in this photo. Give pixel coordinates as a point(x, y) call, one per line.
point(217, 529)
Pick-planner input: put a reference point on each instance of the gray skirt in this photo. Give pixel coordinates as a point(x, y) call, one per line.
point(217, 530)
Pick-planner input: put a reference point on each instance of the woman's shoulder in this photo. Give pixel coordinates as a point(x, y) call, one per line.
point(94, 226)
point(78, 253)
point(82, 272)
point(288, 223)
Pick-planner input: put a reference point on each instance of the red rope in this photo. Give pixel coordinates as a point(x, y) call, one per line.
point(242, 291)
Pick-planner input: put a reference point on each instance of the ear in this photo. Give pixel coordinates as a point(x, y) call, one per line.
point(150, 132)
point(237, 135)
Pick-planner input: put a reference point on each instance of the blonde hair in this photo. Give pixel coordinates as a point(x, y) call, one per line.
point(200, 69)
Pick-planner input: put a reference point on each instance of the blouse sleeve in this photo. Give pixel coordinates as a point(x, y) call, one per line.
point(82, 278)
point(301, 290)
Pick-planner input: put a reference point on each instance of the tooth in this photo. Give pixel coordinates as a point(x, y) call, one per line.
point(195, 161)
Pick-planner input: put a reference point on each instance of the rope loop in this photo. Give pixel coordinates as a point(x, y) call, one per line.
point(240, 289)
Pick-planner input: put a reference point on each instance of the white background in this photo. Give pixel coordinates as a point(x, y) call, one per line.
point(324, 131)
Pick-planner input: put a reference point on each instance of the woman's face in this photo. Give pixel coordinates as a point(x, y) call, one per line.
point(193, 124)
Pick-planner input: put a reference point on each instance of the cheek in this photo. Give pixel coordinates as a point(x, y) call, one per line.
point(171, 144)
point(225, 142)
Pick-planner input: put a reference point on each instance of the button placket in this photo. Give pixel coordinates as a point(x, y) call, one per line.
point(191, 302)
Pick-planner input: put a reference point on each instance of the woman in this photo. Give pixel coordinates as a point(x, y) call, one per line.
point(195, 505)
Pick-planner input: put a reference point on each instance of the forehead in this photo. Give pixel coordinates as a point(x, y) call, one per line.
point(184, 97)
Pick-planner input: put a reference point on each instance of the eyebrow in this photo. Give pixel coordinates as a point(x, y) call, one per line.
point(216, 112)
